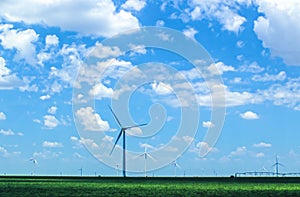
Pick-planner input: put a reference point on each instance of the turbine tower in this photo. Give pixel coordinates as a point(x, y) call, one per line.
point(122, 132)
point(277, 164)
point(146, 155)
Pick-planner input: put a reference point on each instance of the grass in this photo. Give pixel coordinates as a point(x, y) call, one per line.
point(109, 186)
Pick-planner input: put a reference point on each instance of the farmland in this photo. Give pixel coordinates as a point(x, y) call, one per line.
point(111, 186)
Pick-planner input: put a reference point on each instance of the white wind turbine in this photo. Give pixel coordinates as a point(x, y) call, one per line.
point(35, 163)
point(175, 164)
point(122, 132)
point(146, 155)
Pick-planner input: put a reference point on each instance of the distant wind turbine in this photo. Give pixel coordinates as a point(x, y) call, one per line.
point(277, 164)
point(175, 164)
point(122, 132)
point(81, 170)
point(34, 161)
point(146, 155)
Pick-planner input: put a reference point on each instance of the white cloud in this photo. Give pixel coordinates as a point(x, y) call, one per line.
point(136, 5)
point(203, 147)
point(52, 40)
point(226, 13)
point(45, 97)
point(21, 40)
point(249, 115)
point(281, 76)
point(46, 154)
point(160, 23)
point(2, 116)
point(145, 145)
point(252, 68)
point(239, 151)
point(52, 144)
point(137, 49)
point(7, 79)
point(259, 155)
point(10, 133)
point(91, 17)
point(220, 68)
point(207, 124)
point(190, 32)
point(280, 18)
point(88, 142)
point(240, 44)
point(262, 145)
point(287, 94)
point(52, 110)
point(6, 133)
point(161, 88)
point(3, 152)
point(136, 131)
point(50, 121)
point(102, 52)
point(100, 91)
point(90, 120)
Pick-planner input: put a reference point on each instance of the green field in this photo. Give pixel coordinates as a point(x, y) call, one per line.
point(109, 186)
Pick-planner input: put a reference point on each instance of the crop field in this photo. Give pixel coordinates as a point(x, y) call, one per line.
point(111, 186)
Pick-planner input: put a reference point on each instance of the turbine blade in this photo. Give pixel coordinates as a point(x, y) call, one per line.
point(281, 164)
point(139, 125)
point(148, 155)
point(116, 142)
point(116, 118)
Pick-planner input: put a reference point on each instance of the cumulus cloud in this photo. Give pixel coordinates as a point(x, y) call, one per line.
point(52, 144)
point(3, 152)
point(8, 80)
point(190, 32)
point(249, 115)
point(239, 151)
point(45, 97)
point(91, 17)
point(262, 145)
point(281, 76)
point(207, 124)
point(50, 121)
point(100, 91)
point(10, 133)
point(136, 5)
point(90, 120)
point(203, 147)
point(279, 28)
point(252, 68)
point(221, 68)
point(287, 94)
point(2, 116)
point(259, 155)
point(161, 88)
point(52, 110)
point(21, 40)
point(225, 12)
point(52, 40)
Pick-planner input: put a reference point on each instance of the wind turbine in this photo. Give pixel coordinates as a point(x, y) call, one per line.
point(146, 155)
point(277, 164)
point(35, 163)
point(175, 167)
point(81, 170)
point(122, 132)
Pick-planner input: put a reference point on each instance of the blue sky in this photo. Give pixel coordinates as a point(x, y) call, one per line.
point(44, 46)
